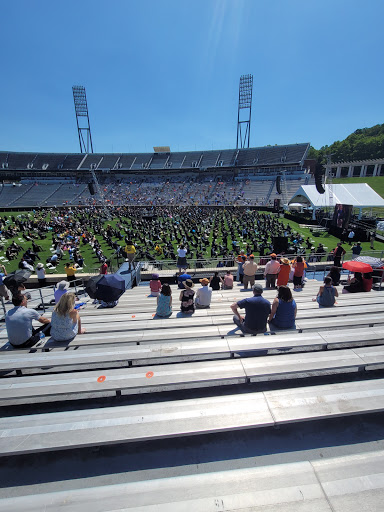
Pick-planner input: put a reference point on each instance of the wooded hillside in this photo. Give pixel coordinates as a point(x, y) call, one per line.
point(363, 144)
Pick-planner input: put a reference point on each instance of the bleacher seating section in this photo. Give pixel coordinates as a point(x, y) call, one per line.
point(129, 179)
point(153, 190)
point(288, 422)
point(268, 155)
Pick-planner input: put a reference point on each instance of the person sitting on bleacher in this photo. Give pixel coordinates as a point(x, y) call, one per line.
point(367, 281)
point(181, 279)
point(65, 321)
point(334, 274)
point(203, 295)
point(18, 321)
point(60, 290)
point(355, 284)
point(186, 298)
point(164, 302)
point(283, 311)
point(326, 294)
point(257, 310)
point(155, 285)
point(228, 281)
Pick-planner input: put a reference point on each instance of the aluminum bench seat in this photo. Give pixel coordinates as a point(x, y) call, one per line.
point(144, 379)
point(283, 487)
point(351, 483)
point(190, 350)
point(220, 309)
point(178, 351)
point(182, 418)
point(171, 377)
point(126, 322)
point(364, 320)
point(306, 364)
point(352, 337)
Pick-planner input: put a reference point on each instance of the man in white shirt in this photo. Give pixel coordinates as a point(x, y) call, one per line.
point(18, 321)
point(351, 236)
point(272, 268)
point(203, 295)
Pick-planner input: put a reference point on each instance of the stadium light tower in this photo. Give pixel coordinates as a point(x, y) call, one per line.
point(86, 146)
point(83, 126)
point(245, 103)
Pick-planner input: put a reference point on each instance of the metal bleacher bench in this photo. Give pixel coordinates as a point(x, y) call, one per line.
point(187, 351)
point(309, 485)
point(171, 377)
point(133, 423)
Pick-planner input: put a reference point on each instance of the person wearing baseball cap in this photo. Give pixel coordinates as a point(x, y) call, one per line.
point(257, 310)
point(203, 295)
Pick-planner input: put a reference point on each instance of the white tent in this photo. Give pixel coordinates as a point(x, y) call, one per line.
point(360, 195)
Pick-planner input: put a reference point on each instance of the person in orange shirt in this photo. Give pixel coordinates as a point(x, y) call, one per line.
point(283, 275)
point(299, 266)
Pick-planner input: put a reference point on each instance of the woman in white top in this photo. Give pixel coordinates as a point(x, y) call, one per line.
point(40, 272)
point(182, 260)
point(65, 321)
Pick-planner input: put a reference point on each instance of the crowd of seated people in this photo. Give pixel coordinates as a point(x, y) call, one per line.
point(175, 191)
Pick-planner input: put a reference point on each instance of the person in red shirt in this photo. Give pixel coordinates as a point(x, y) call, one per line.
point(298, 266)
point(155, 285)
point(104, 267)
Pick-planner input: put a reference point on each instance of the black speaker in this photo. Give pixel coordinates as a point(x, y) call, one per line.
point(280, 244)
point(91, 188)
point(276, 205)
point(278, 184)
point(319, 181)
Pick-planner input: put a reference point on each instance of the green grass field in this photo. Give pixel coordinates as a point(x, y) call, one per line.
point(92, 264)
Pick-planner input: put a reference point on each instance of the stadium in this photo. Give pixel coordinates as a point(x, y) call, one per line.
point(141, 396)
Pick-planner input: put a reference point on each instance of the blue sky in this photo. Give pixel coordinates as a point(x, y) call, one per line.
point(167, 72)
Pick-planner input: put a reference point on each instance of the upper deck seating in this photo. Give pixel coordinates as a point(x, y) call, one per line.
point(91, 159)
point(192, 159)
point(109, 161)
point(141, 161)
point(72, 161)
point(158, 160)
point(18, 161)
point(209, 159)
point(52, 160)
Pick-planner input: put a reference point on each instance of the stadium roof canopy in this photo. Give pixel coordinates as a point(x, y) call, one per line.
point(360, 195)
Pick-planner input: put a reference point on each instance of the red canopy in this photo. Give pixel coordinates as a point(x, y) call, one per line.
point(357, 266)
